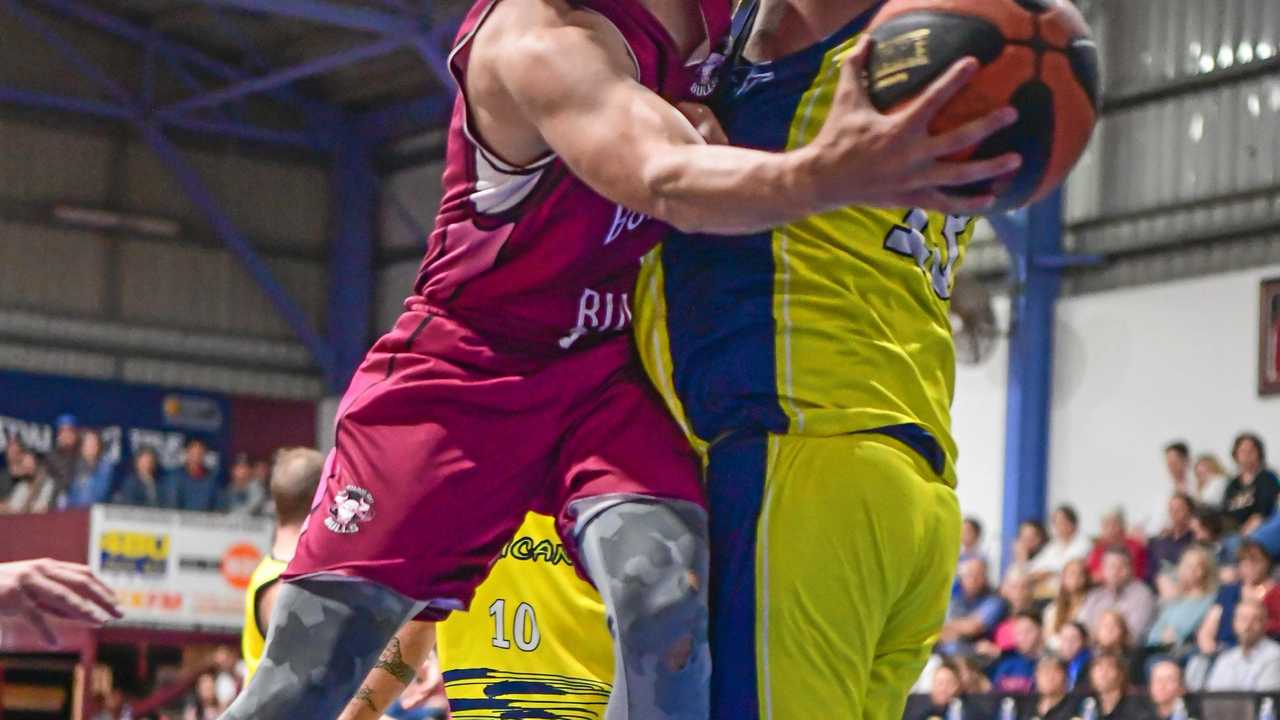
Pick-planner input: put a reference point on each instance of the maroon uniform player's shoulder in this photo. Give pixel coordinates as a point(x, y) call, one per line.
point(529, 253)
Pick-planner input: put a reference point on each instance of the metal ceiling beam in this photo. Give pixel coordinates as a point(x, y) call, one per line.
point(178, 55)
point(63, 103)
point(89, 107)
point(195, 189)
point(398, 120)
point(323, 13)
point(239, 245)
point(280, 78)
point(354, 198)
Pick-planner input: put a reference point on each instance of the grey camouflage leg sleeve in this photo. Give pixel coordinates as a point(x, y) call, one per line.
point(649, 560)
point(324, 636)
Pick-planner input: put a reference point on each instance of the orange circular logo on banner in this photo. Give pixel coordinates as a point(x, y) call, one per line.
point(238, 564)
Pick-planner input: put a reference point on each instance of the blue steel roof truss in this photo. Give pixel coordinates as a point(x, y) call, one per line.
point(348, 138)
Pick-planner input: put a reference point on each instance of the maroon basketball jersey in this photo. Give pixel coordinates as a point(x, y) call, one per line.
point(530, 257)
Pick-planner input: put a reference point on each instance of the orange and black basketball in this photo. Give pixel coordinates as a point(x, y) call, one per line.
point(1036, 55)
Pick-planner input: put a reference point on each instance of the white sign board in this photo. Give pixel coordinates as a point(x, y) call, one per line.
point(181, 570)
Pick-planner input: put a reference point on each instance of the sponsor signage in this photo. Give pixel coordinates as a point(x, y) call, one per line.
point(176, 569)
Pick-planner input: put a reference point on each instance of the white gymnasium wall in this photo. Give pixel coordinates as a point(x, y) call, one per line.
point(1137, 367)
point(977, 419)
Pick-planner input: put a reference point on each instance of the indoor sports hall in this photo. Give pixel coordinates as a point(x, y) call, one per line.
point(211, 210)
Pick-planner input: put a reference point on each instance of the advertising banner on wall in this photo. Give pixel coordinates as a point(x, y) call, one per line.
point(127, 416)
point(179, 570)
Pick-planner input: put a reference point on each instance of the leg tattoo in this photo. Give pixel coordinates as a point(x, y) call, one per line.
point(392, 661)
point(365, 695)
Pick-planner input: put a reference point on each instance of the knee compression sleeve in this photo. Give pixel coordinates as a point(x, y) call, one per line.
point(324, 636)
point(649, 560)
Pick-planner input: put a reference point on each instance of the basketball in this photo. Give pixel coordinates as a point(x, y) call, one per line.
point(1036, 55)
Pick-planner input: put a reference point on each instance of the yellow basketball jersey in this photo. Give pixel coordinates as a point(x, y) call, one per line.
point(252, 640)
point(535, 643)
point(835, 324)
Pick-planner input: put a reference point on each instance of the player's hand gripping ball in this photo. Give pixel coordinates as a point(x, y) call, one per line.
point(1036, 55)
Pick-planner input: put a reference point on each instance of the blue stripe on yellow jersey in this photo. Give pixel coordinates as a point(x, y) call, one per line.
point(835, 324)
point(535, 643)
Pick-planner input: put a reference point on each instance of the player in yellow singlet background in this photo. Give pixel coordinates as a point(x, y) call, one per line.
point(813, 367)
point(535, 643)
point(294, 478)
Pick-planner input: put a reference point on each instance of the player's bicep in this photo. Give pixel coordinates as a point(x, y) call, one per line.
point(577, 85)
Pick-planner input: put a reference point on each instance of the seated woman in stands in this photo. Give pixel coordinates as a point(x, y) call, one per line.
point(1181, 615)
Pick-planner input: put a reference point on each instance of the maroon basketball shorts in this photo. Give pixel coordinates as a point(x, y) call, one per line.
point(442, 445)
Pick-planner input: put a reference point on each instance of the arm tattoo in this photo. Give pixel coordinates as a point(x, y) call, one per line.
point(365, 695)
point(393, 662)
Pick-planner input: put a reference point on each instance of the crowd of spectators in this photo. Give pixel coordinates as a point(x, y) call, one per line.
point(1131, 624)
point(77, 472)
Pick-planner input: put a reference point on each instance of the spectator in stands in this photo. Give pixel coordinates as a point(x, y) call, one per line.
point(144, 486)
point(203, 704)
point(1054, 701)
point(1073, 648)
point(971, 540)
point(1167, 692)
point(33, 490)
point(1211, 481)
point(1165, 550)
point(1177, 460)
point(1016, 592)
point(1251, 496)
point(194, 486)
point(262, 476)
point(1207, 528)
point(61, 462)
point(1254, 664)
point(13, 451)
point(1114, 535)
point(1181, 615)
point(973, 681)
point(1068, 544)
point(1114, 636)
point(1014, 671)
point(974, 611)
point(1072, 590)
point(946, 698)
point(245, 495)
point(1111, 697)
point(91, 481)
point(1216, 632)
point(1119, 591)
point(1031, 539)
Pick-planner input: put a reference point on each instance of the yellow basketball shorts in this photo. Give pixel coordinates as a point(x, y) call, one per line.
point(832, 559)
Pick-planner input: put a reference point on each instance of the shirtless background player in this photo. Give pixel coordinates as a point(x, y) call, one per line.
point(508, 384)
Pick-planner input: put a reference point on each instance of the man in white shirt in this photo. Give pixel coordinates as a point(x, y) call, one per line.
point(1068, 544)
point(1177, 459)
point(1254, 664)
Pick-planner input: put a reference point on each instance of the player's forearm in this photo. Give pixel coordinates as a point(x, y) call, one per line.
point(729, 190)
point(395, 669)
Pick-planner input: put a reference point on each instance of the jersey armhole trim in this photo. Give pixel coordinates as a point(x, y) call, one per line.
point(487, 153)
point(635, 61)
point(257, 597)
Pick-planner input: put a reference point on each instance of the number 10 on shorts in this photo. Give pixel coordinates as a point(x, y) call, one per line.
point(524, 626)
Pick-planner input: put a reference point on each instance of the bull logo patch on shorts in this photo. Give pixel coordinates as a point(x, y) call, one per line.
point(708, 78)
point(350, 507)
